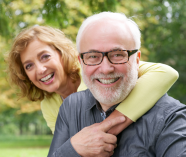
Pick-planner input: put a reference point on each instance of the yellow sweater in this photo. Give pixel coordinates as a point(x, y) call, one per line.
point(155, 79)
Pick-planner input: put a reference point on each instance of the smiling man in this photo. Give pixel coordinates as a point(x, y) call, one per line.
point(109, 44)
point(109, 79)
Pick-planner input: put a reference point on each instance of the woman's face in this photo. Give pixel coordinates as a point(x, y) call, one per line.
point(43, 66)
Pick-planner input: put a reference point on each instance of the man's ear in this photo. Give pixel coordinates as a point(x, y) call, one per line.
point(138, 57)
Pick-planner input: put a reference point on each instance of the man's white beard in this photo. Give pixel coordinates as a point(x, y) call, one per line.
point(116, 94)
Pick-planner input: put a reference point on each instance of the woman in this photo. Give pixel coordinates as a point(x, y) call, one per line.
point(44, 64)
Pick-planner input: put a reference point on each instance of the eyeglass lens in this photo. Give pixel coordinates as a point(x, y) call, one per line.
point(116, 56)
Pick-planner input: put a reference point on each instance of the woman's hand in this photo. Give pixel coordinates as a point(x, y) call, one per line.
point(115, 130)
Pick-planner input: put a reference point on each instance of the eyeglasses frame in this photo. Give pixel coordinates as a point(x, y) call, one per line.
point(130, 52)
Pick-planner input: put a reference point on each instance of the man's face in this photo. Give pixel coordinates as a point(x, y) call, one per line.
point(109, 83)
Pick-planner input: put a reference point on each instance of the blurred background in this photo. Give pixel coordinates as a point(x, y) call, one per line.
point(23, 131)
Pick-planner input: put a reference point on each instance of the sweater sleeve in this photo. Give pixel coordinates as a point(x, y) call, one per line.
point(155, 79)
point(50, 109)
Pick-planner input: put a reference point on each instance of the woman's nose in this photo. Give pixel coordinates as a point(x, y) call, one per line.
point(41, 69)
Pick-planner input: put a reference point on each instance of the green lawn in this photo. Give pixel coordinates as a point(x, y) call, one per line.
point(25, 141)
point(23, 152)
point(24, 146)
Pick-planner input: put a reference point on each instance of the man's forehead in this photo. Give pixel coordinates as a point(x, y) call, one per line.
point(106, 24)
point(113, 32)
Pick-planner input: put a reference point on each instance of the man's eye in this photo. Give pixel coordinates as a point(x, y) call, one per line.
point(118, 55)
point(93, 57)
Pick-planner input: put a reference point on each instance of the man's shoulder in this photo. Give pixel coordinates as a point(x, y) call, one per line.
point(167, 113)
point(168, 104)
point(160, 129)
point(80, 96)
point(82, 99)
point(165, 109)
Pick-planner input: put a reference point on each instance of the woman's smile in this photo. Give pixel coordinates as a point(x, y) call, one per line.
point(47, 78)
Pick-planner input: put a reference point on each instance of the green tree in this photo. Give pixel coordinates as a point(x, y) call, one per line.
point(164, 34)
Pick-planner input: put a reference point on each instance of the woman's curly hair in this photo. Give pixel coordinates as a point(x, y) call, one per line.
point(54, 38)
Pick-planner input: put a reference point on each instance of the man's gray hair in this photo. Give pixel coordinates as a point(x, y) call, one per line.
point(113, 16)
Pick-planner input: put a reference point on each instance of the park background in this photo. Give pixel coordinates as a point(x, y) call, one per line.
point(23, 131)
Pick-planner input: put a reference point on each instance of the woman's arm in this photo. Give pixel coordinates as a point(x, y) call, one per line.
point(154, 81)
point(50, 109)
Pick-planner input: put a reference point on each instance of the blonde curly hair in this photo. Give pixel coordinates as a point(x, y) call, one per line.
point(54, 38)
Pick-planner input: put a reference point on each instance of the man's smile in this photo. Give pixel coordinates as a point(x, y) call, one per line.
point(108, 81)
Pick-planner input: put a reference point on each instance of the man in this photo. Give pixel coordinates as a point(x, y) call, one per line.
point(109, 55)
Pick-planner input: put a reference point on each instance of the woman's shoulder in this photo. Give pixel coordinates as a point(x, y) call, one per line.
point(54, 100)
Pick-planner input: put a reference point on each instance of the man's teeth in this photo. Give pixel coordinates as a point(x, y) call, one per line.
point(108, 81)
point(47, 77)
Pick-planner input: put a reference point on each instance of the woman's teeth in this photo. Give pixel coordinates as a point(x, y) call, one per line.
point(108, 81)
point(47, 78)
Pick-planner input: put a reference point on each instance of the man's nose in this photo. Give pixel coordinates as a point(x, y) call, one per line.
point(106, 67)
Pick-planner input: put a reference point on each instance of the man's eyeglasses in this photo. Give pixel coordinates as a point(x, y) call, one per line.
point(115, 56)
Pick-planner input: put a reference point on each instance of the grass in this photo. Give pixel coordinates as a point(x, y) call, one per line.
point(23, 152)
point(24, 146)
point(25, 141)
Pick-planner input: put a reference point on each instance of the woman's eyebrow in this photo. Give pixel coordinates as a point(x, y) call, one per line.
point(26, 62)
point(40, 53)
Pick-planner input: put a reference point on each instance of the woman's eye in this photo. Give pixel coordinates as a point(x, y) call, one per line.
point(28, 66)
point(45, 56)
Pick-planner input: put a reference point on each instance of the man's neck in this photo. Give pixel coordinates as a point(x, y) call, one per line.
point(106, 113)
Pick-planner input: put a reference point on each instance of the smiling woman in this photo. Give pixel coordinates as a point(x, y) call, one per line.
point(39, 53)
point(43, 66)
point(43, 63)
